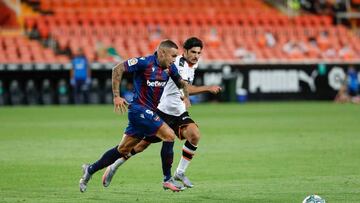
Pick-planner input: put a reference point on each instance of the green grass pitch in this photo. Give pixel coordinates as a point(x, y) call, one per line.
point(256, 152)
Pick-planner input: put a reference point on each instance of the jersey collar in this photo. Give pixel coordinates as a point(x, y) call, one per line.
point(156, 59)
point(194, 66)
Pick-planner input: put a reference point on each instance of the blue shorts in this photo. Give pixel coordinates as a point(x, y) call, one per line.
point(143, 122)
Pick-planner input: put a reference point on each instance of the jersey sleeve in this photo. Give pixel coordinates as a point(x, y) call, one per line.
point(135, 64)
point(175, 76)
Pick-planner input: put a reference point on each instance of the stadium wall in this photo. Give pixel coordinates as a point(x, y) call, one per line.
point(264, 82)
point(241, 82)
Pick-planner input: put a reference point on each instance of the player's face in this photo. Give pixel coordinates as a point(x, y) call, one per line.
point(167, 56)
point(192, 55)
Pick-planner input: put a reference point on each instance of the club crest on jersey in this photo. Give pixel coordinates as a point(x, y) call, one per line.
point(149, 112)
point(155, 83)
point(157, 118)
point(132, 61)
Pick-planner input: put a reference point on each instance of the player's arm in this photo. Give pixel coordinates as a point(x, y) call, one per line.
point(120, 104)
point(183, 85)
point(184, 88)
point(180, 83)
point(214, 89)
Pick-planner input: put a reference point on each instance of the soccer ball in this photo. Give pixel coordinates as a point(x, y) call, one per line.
point(313, 199)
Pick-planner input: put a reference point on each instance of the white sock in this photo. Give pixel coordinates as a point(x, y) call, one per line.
point(188, 152)
point(183, 164)
point(119, 162)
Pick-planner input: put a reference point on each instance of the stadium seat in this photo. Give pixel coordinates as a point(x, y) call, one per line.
point(238, 20)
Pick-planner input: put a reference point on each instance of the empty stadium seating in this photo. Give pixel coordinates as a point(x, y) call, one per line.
point(134, 28)
point(19, 49)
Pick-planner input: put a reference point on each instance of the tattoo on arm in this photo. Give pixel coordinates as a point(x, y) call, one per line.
point(185, 85)
point(116, 76)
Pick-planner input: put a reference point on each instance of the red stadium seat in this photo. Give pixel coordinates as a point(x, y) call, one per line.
point(239, 22)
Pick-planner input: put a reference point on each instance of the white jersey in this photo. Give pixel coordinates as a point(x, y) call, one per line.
point(170, 102)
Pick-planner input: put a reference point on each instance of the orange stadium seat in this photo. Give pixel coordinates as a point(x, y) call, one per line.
point(237, 23)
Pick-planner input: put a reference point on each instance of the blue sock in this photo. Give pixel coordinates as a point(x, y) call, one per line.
point(107, 159)
point(167, 156)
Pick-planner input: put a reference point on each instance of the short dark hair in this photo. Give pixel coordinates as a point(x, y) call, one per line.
point(192, 42)
point(168, 44)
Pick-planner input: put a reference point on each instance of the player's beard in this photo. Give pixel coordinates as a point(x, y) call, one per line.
point(193, 61)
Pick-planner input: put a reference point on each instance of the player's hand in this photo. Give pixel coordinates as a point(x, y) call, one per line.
point(120, 105)
point(187, 102)
point(214, 89)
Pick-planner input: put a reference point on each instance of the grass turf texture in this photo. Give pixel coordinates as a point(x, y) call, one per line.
point(257, 152)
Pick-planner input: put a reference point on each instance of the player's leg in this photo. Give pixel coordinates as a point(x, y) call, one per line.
point(167, 156)
point(89, 169)
point(109, 157)
point(192, 135)
point(167, 152)
point(126, 147)
point(140, 147)
point(127, 144)
point(166, 133)
point(152, 125)
point(111, 170)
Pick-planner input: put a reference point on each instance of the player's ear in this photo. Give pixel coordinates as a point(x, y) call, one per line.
point(161, 52)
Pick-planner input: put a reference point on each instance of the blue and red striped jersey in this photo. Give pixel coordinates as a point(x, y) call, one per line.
point(149, 79)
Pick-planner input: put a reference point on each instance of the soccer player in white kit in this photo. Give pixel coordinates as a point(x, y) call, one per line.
point(173, 110)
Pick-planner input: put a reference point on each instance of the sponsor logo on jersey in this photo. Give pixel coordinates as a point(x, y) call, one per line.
point(132, 61)
point(155, 83)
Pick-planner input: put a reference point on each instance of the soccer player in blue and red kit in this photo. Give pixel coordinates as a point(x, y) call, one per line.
point(150, 75)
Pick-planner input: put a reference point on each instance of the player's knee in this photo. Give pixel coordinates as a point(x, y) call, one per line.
point(169, 136)
point(166, 134)
point(123, 150)
point(195, 138)
point(141, 146)
point(193, 135)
